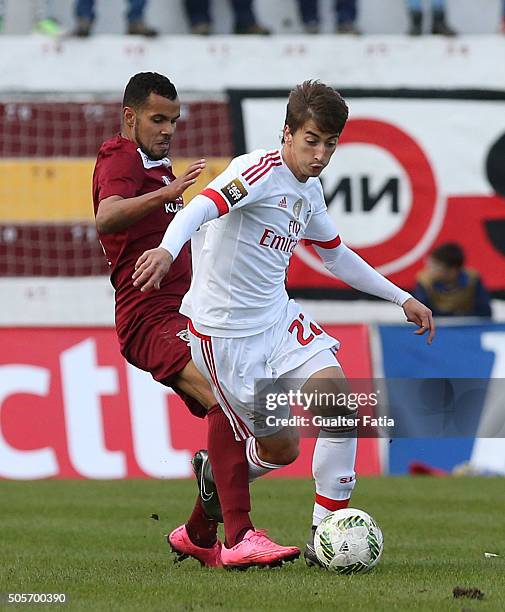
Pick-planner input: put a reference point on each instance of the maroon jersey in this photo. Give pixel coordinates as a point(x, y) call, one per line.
point(124, 170)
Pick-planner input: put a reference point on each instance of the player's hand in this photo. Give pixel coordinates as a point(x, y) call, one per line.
point(179, 185)
point(420, 315)
point(151, 268)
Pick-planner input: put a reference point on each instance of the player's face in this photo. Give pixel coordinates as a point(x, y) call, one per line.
point(154, 125)
point(309, 150)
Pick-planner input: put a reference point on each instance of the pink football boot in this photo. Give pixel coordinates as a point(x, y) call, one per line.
point(256, 549)
point(181, 544)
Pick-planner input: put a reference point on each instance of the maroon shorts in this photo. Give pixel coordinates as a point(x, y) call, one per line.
point(160, 346)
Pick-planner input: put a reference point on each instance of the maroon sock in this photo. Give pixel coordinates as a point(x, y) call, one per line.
point(202, 530)
point(231, 475)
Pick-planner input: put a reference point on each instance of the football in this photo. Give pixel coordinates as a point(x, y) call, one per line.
point(348, 541)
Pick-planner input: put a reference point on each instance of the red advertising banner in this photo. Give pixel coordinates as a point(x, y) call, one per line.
point(71, 407)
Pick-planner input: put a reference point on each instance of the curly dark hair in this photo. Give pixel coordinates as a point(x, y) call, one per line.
point(141, 85)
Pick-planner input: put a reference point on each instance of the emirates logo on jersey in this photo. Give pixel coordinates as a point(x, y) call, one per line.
point(274, 241)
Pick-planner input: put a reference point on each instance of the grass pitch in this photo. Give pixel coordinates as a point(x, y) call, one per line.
point(96, 542)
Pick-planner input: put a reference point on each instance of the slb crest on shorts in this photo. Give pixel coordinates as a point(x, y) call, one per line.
point(234, 191)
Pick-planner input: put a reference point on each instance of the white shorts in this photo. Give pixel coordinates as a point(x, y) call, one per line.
point(295, 347)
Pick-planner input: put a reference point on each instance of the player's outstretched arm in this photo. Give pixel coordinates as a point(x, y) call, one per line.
point(348, 266)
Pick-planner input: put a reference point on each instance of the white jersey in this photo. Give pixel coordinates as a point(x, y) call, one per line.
point(238, 287)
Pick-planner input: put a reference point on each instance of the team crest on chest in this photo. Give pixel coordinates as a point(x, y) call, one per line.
point(297, 208)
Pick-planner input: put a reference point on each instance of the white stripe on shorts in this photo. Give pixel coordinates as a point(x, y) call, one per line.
point(240, 430)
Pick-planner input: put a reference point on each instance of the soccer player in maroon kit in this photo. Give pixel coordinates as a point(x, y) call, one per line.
point(136, 196)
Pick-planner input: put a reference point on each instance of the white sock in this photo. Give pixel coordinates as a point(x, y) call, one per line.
point(257, 467)
point(333, 471)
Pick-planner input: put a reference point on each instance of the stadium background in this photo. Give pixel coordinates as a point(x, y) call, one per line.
point(421, 162)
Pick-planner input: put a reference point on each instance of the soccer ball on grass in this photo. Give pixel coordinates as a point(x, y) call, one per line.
point(348, 541)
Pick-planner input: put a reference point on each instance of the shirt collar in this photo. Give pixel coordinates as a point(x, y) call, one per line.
point(153, 163)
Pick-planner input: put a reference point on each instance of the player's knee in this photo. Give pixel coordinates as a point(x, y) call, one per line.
point(334, 402)
point(289, 453)
point(329, 396)
point(282, 452)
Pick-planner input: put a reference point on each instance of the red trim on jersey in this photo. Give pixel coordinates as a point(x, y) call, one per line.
point(254, 167)
point(217, 198)
point(332, 504)
point(250, 175)
point(328, 244)
point(197, 333)
point(268, 167)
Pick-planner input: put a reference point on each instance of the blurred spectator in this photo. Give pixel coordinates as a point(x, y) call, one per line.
point(85, 15)
point(448, 288)
point(438, 21)
point(198, 12)
point(346, 16)
point(43, 22)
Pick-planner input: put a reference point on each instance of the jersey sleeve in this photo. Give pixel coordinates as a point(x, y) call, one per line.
point(244, 181)
point(120, 175)
point(186, 222)
point(321, 230)
point(344, 263)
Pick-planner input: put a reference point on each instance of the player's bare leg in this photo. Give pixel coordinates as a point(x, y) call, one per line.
point(194, 384)
point(272, 452)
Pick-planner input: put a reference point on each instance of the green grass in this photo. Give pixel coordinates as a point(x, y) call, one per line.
point(96, 542)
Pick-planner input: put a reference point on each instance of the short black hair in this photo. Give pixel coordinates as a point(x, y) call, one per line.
point(450, 254)
point(141, 85)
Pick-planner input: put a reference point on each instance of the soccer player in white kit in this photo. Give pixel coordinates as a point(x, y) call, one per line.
point(244, 327)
